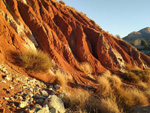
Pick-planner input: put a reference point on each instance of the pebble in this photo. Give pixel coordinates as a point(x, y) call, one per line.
point(8, 77)
point(6, 98)
point(3, 81)
point(44, 93)
point(23, 104)
point(45, 109)
point(57, 87)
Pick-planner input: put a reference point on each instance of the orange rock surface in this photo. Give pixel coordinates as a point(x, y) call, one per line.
point(68, 36)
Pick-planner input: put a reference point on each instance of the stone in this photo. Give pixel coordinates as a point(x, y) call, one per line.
point(53, 110)
point(36, 108)
point(51, 86)
point(30, 94)
point(11, 87)
point(89, 87)
point(6, 98)
point(23, 104)
point(55, 102)
point(8, 77)
point(45, 109)
point(11, 98)
point(57, 87)
point(44, 93)
point(3, 81)
point(39, 97)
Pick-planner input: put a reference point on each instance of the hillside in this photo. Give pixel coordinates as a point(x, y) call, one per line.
point(83, 60)
point(139, 35)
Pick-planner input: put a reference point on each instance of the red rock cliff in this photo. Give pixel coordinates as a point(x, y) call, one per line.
point(68, 36)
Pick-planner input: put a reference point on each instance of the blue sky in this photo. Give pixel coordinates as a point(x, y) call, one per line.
point(115, 16)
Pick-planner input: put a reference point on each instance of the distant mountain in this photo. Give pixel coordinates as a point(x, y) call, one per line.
point(135, 37)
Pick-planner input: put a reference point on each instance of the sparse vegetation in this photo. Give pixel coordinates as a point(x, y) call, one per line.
point(36, 61)
point(61, 79)
point(109, 105)
point(62, 2)
point(136, 75)
point(118, 36)
point(143, 43)
point(76, 100)
point(103, 85)
point(86, 68)
point(111, 96)
point(132, 43)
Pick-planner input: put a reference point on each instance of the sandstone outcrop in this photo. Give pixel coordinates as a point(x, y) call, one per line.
point(68, 36)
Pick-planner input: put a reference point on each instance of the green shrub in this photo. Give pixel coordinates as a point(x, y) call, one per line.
point(132, 43)
point(35, 61)
point(143, 43)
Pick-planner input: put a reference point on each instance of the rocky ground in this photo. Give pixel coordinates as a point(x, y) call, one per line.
point(23, 94)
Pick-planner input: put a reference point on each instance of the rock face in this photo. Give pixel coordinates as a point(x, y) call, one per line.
point(68, 36)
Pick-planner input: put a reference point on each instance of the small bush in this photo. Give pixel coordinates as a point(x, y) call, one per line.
point(103, 85)
point(62, 2)
point(124, 99)
point(115, 81)
point(142, 86)
point(118, 36)
point(76, 99)
point(147, 93)
point(143, 43)
point(107, 74)
point(86, 68)
point(136, 75)
point(61, 79)
point(144, 75)
point(139, 98)
point(129, 97)
point(131, 77)
point(109, 106)
point(36, 61)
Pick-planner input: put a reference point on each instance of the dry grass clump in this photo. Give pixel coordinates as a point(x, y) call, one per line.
point(61, 79)
point(147, 93)
point(129, 97)
point(103, 85)
point(111, 97)
point(76, 99)
point(107, 74)
point(115, 81)
point(109, 106)
point(106, 82)
point(62, 2)
point(138, 97)
point(36, 61)
point(124, 99)
point(131, 77)
point(142, 85)
point(136, 75)
point(86, 68)
point(144, 75)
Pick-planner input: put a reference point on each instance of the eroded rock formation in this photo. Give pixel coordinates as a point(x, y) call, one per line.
point(68, 36)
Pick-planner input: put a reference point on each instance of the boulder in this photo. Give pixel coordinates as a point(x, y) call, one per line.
point(56, 103)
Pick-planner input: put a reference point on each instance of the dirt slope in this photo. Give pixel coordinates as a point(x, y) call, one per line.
point(69, 37)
